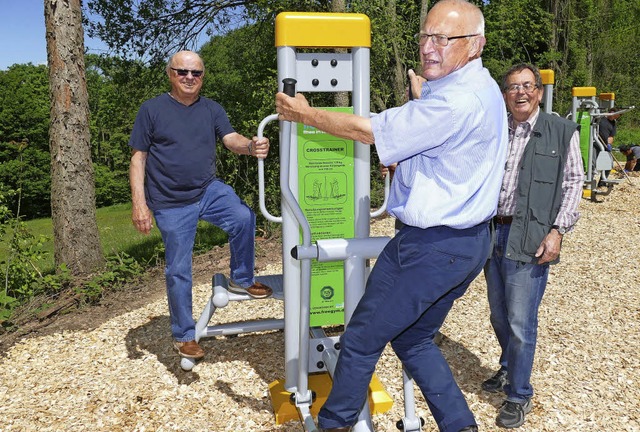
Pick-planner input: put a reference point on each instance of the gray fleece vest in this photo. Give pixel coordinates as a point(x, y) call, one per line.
point(539, 189)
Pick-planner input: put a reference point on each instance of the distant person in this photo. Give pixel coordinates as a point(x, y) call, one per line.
point(607, 128)
point(607, 132)
point(173, 178)
point(632, 153)
point(450, 148)
point(538, 204)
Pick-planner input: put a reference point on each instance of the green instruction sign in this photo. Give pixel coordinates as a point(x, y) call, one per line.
point(326, 196)
point(584, 120)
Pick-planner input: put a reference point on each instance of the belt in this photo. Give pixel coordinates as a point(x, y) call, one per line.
point(503, 220)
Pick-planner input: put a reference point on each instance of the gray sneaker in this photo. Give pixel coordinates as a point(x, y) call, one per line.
point(511, 414)
point(496, 383)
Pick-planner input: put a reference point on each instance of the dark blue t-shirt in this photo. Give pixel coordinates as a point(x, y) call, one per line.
point(606, 129)
point(181, 145)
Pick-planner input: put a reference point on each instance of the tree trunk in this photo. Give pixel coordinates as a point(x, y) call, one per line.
point(340, 99)
point(73, 212)
point(424, 9)
point(400, 81)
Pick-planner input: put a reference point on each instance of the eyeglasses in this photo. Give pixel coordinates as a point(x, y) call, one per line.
point(526, 87)
point(439, 39)
point(185, 72)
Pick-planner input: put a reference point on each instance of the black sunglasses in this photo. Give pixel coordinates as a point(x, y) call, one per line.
point(185, 72)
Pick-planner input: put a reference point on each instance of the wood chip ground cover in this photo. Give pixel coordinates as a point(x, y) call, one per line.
point(124, 375)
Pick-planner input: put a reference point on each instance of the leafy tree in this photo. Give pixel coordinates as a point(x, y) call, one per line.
point(24, 167)
point(24, 149)
point(516, 31)
point(393, 48)
point(241, 76)
point(152, 29)
point(616, 59)
point(116, 89)
point(577, 39)
point(590, 31)
point(24, 112)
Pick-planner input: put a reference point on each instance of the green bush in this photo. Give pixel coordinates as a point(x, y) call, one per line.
point(22, 279)
point(627, 136)
point(121, 268)
point(112, 187)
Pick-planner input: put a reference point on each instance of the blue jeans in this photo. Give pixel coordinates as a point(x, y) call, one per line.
point(221, 207)
point(515, 290)
point(409, 293)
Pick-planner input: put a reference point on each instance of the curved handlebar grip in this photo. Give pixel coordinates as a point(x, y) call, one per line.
point(383, 207)
point(261, 181)
point(289, 87)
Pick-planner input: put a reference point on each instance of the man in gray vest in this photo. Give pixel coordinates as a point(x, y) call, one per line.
point(538, 204)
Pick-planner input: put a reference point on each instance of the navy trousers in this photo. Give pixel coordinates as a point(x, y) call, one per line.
point(409, 293)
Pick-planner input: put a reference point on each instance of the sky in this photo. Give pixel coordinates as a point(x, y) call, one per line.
point(22, 35)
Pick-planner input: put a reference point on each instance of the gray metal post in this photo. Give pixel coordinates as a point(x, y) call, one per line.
point(547, 98)
point(354, 268)
point(362, 166)
point(362, 163)
point(290, 237)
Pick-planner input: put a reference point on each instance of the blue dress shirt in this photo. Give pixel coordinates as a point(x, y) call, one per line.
point(451, 148)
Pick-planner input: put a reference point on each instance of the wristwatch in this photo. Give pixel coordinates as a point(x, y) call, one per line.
point(561, 230)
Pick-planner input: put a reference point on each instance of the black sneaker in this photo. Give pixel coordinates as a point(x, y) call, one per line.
point(497, 382)
point(512, 414)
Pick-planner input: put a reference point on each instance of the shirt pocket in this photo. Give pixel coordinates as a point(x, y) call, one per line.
point(545, 168)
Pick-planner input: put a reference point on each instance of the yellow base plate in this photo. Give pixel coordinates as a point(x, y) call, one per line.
point(285, 410)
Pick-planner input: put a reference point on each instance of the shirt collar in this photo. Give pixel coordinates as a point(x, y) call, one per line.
point(457, 76)
point(530, 122)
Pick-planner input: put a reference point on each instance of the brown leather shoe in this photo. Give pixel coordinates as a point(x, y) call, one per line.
point(340, 429)
point(189, 349)
point(257, 290)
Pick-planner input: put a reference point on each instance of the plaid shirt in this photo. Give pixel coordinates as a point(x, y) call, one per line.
point(519, 134)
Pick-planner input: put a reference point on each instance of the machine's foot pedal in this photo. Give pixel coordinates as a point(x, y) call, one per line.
point(285, 410)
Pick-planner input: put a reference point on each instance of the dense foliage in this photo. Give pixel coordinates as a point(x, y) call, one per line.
point(586, 43)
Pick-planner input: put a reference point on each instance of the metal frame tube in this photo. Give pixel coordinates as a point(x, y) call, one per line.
point(243, 327)
point(362, 159)
point(548, 98)
point(261, 181)
point(410, 421)
point(286, 57)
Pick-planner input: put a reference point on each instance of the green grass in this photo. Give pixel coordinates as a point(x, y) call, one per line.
point(628, 136)
point(117, 235)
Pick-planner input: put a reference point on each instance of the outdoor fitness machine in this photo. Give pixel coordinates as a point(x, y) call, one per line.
point(587, 110)
point(548, 80)
point(325, 207)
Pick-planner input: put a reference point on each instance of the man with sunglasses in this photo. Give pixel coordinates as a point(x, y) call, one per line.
point(173, 178)
point(538, 204)
point(450, 145)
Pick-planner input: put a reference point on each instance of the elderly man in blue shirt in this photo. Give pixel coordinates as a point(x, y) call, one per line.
point(450, 146)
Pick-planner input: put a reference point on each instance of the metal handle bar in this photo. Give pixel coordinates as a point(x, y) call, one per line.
point(261, 182)
point(383, 207)
point(622, 111)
